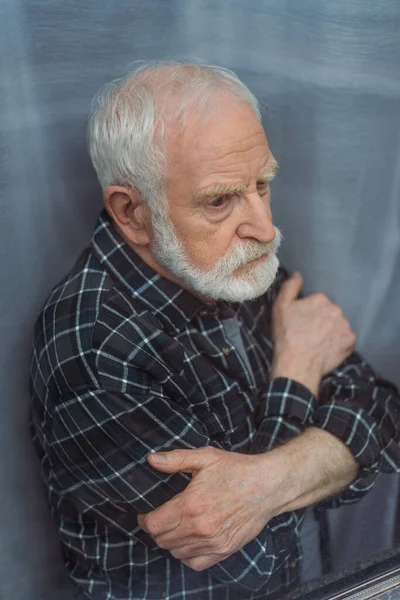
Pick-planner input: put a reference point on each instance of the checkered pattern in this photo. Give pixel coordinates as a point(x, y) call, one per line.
point(126, 362)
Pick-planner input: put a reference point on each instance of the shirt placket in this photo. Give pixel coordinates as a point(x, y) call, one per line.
point(229, 358)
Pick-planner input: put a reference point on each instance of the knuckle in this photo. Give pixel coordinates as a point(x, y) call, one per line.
point(317, 301)
point(226, 551)
point(348, 330)
point(338, 311)
point(198, 530)
point(159, 543)
point(151, 528)
point(191, 509)
point(208, 532)
point(226, 548)
point(320, 298)
point(204, 529)
point(196, 565)
point(191, 563)
point(145, 522)
point(211, 451)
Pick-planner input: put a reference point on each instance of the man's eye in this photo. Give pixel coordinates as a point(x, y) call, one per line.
point(263, 186)
point(219, 202)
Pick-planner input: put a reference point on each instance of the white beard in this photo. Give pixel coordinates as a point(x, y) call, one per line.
point(219, 283)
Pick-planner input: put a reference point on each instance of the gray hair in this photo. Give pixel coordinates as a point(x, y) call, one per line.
point(126, 131)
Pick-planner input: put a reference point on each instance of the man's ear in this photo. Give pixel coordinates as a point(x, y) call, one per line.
point(129, 212)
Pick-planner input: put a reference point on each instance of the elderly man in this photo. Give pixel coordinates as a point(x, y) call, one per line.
point(149, 345)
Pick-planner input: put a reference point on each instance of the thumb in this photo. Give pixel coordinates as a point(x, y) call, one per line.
point(290, 289)
point(175, 461)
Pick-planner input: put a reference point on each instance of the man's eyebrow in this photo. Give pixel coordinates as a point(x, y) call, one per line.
point(219, 189)
point(229, 189)
point(270, 173)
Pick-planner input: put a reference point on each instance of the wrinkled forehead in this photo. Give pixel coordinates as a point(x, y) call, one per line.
point(227, 132)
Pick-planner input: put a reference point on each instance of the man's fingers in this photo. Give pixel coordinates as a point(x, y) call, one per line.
point(169, 516)
point(200, 563)
point(188, 551)
point(184, 461)
point(290, 289)
point(173, 539)
point(184, 536)
point(163, 519)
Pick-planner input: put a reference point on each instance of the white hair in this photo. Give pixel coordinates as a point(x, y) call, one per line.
point(126, 133)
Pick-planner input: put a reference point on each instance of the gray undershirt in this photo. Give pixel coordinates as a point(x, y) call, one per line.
point(234, 335)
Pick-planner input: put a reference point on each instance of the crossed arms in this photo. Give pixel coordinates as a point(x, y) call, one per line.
point(229, 517)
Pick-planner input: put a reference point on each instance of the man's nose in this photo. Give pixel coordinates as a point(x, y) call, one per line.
point(256, 220)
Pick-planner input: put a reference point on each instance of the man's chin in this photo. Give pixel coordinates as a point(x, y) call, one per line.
point(242, 291)
point(256, 282)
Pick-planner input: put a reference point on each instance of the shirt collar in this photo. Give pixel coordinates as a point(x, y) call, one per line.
point(176, 306)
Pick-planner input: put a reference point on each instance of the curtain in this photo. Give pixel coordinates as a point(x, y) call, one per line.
point(327, 74)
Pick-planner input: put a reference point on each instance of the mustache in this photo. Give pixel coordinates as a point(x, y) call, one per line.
point(247, 251)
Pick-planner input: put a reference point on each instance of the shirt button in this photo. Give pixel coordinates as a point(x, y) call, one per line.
point(226, 350)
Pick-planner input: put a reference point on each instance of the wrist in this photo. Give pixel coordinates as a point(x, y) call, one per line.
point(281, 478)
point(306, 372)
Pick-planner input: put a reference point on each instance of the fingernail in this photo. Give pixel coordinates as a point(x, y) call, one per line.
point(159, 458)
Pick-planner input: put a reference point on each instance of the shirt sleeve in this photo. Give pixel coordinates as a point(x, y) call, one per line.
point(98, 448)
point(286, 409)
point(363, 411)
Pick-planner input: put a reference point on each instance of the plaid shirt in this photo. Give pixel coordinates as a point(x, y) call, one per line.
point(126, 362)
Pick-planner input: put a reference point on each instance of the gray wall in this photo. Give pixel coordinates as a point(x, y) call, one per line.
point(327, 72)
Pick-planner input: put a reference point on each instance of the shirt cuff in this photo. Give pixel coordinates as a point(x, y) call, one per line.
point(291, 399)
point(285, 410)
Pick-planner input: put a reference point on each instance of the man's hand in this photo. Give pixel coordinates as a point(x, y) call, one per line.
point(311, 336)
point(233, 496)
point(228, 502)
